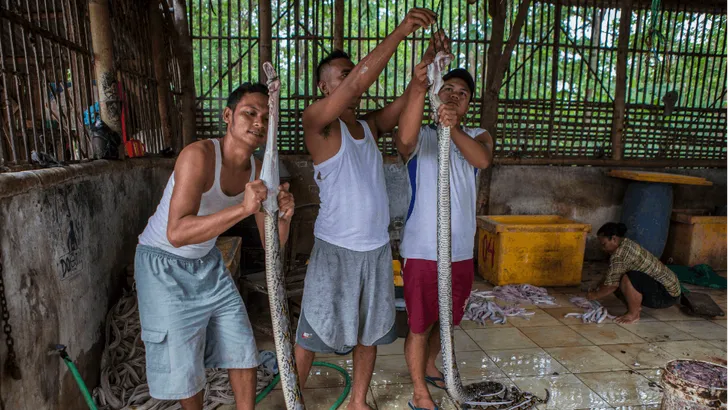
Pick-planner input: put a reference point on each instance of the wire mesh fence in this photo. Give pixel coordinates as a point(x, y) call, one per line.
point(48, 93)
point(558, 92)
point(557, 98)
point(46, 80)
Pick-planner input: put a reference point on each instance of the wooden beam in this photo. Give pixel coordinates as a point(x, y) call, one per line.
point(265, 44)
point(339, 24)
point(183, 48)
point(631, 163)
point(620, 90)
point(554, 72)
point(103, 49)
point(22, 21)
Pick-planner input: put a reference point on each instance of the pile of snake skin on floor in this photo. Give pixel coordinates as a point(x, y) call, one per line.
point(123, 372)
point(595, 312)
point(529, 294)
point(480, 309)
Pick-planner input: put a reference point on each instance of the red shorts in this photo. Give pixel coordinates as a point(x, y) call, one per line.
point(420, 291)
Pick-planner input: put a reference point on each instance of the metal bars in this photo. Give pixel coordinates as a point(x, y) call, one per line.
point(46, 86)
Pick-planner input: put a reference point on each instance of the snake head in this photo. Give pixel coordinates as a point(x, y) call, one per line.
point(273, 83)
point(442, 60)
point(434, 76)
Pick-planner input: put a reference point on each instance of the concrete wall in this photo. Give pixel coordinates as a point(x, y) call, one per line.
point(586, 194)
point(67, 236)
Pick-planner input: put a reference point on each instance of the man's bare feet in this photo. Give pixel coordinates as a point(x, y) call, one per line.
point(628, 318)
point(358, 406)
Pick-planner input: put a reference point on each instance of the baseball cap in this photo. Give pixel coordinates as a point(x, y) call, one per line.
point(464, 75)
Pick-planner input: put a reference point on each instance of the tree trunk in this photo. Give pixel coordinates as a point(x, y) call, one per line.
point(499, 59)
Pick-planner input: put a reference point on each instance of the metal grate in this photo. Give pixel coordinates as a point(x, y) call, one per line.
point(48, 93)
point(692, 62)
point(558, 93)
point(302, 35)
point(135, 65)
point(46, 84)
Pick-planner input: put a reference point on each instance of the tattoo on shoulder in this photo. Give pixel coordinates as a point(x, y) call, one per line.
point(326, 132)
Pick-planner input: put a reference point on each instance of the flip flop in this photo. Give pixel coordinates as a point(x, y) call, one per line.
point(433, 381)
point(412, 406)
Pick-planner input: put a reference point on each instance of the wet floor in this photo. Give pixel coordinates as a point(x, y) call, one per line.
point(594, 366)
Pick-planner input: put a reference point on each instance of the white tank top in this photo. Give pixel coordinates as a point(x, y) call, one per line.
point(214, 200)
point(419, 238)
point(354, 210)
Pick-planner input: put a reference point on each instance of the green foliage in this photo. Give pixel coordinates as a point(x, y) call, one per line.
point(692, 60)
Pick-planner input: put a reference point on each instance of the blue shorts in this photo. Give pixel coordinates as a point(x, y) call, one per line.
point(192, 318)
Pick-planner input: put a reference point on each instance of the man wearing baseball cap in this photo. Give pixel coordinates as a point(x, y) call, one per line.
point(472, 149)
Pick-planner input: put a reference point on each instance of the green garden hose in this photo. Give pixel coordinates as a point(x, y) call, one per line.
point(92, 405)
point(337, 403)
point(77, 376)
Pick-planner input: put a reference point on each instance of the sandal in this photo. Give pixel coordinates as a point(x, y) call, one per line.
point(434, 380)
point(413, 407)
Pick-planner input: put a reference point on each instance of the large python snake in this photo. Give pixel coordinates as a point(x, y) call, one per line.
point(482, 395)
point(273, 264)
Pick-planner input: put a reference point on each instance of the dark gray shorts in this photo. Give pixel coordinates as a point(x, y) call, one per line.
point(348, 299)
point(307, 338)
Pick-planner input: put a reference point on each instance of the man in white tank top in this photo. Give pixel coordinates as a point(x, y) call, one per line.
point(191, 312)
point(472, 149)
point(348, 298)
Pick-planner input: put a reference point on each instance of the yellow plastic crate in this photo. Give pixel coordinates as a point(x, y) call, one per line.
point(695, 239)
point(542, 250)
point(397, 270)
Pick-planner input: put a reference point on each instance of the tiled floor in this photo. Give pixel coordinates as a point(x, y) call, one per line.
point(605, 366)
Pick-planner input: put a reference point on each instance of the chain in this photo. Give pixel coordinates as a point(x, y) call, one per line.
point(11, 365)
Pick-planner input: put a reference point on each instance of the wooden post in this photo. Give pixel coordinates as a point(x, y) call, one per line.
point(620, 91)
point(265, 42)
point(183, 48)
point(339, 24)
point(103, 49)
point(499, 58)
point(554, 73)
point(160, 72)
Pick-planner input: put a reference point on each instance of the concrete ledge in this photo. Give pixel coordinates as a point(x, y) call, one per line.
point(16, 183)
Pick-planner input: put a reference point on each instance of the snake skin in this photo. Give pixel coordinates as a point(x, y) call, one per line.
point(484, 395)
point(444, 268)
point(273, 264)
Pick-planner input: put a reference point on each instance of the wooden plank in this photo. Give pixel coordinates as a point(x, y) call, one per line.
point(659, 177)
point(230, 247)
